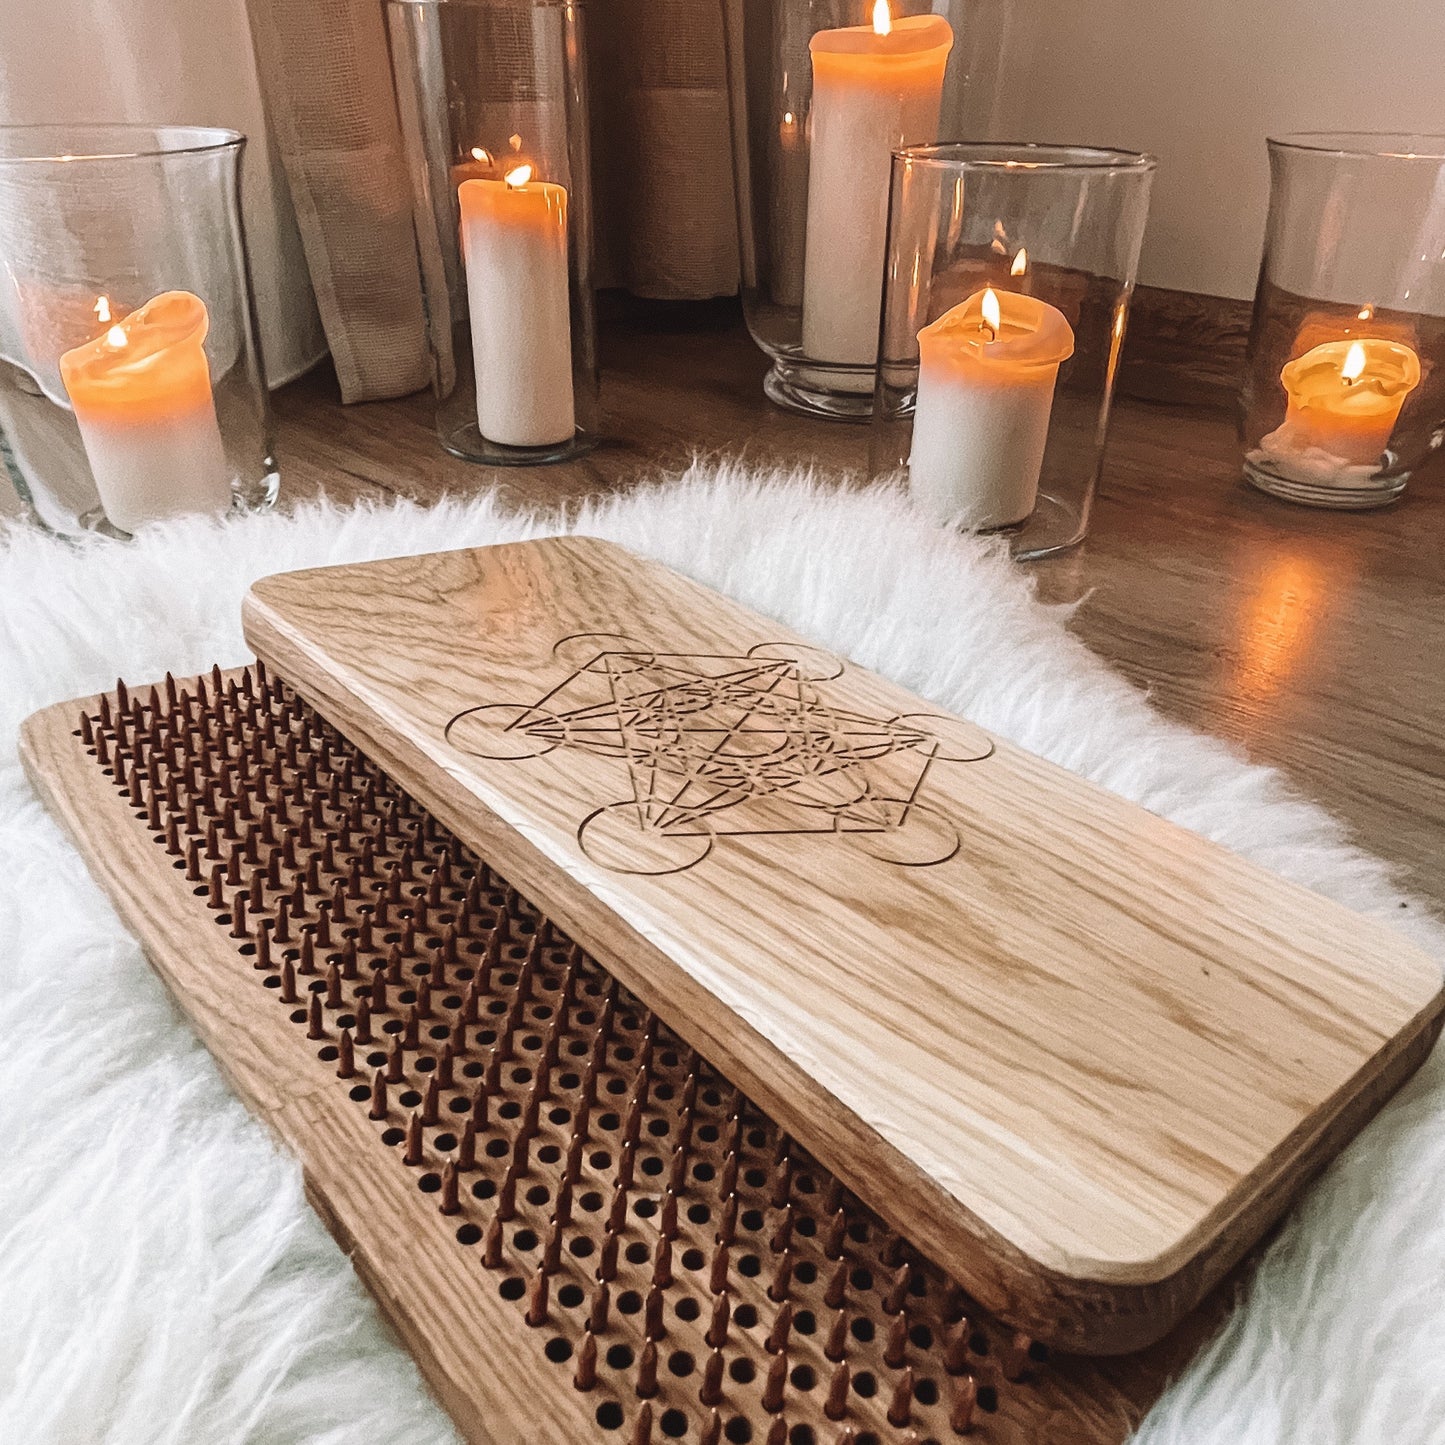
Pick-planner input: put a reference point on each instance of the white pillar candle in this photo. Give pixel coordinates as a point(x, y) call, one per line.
point(985, 390)
point(141, 393)
point(875, 88)
point(514, 246)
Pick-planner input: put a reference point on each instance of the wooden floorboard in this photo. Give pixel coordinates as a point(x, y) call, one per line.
point(1309, 640)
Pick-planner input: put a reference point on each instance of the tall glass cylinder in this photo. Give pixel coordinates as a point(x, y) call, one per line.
point(1344, 392)
point(823, 92)
point(1009, 273)
point(493, 104)
point(131, 385)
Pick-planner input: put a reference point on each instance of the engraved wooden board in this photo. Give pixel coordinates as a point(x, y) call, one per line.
point(583, 1232)
point(1078, 1054)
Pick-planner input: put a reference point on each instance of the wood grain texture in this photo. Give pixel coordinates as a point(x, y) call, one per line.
point(1076, 1052)
point(504, 1367)
point(1183, 347)
point(1305, 639)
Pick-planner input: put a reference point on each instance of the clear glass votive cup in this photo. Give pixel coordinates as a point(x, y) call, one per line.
point(131, 385)
point(1344, 392)
point(1010, 269)
point(823, 92)
point(493, 100)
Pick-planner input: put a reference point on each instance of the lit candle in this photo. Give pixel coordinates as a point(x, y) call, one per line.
point(141, 392)
point(875, 88)
point(479, 166)
point(985, 390)
point(514, 245)
point(1344, 399)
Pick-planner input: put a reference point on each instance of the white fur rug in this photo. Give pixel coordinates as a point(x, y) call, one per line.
point(162, 1279)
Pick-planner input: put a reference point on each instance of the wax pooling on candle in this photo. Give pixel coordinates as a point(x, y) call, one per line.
point(875, 88)
point(1345, 397)
point(986, 378)
point(514, 246)
point(141, 392)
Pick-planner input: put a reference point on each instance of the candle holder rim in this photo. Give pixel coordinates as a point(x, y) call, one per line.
point(487, 4)
point(1032, 155)
point(1381, 145)
point(79, 143)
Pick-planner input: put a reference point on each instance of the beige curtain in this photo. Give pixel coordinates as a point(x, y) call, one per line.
point(661, 161)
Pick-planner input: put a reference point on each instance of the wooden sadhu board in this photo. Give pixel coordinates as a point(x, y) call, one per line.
point(1076, 1054)
point(583, 1231)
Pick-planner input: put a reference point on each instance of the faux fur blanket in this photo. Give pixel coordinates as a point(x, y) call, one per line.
point(161, 1277)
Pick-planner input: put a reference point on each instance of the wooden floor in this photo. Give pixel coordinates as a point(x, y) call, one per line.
point(1312, 641)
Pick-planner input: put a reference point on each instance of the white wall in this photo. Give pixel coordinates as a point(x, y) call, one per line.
point(1200, 83)
point(170, 62)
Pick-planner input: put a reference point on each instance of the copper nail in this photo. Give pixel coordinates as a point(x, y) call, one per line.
point(642, 1430)
point(492, 1244)
point(537, 1300)
point(782, 1327)
point(601, 1307)
point(647, 1370)
point(712, 1376)
point(584, 1377)
point(775, 1384)
point(898, 1291)
point(717, 1330)
point(782, 1279)
point(900, 1408)
point(653, 1326)
point(965, 1398)
point(955, 1354)
point(718, 1277)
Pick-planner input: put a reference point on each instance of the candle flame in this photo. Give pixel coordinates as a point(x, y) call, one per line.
point(115, 337)
point(478, 154)
point(518, 176)
point(787, 117)
point(1366, 313)
point(1354, 365)
point(1021, 262)
point(991, 316)
point(882, 20)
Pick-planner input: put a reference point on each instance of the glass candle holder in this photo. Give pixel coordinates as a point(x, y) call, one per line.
point(823, 92)
point(131, 385)
point(1344, 392)
point(1009, 273)
point(493, 105)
